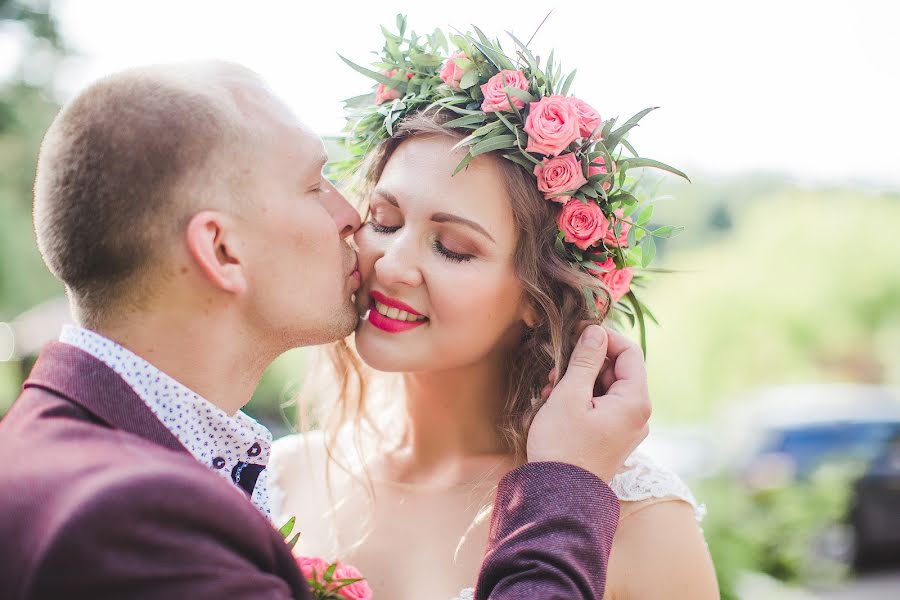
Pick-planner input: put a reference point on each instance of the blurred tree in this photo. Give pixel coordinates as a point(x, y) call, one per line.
point(803, 288)
point(26, 109)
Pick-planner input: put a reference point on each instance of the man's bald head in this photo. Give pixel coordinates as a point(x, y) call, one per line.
point(127, 162)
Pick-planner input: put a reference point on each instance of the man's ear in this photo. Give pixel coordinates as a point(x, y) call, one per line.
point(213, 244)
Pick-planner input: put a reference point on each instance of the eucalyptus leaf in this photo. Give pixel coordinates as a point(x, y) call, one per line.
point(639, 313)
point(520, 160)
point(392, 83)
point(567, 83)
point(497, 142)
point(520, 94)
point(466, 120)
point(667, 231)
point(463, 164)
point(631, 163)
point(470, 79)
point(648, 251)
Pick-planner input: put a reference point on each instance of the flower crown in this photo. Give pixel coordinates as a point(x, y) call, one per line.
point(522, 110)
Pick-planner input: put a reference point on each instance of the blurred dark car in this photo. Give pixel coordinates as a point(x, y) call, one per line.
point(788, 432)
point(875, 512)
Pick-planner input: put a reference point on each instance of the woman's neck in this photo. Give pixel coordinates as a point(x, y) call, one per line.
point(451, 429)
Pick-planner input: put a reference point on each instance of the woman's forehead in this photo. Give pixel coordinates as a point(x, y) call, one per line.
point(419, 174)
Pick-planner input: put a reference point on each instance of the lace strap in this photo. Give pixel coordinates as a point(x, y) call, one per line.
point(641, 478)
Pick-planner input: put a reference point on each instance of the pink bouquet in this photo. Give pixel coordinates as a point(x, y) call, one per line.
point(328, 581)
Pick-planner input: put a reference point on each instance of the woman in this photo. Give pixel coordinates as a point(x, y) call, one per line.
point(469, 307)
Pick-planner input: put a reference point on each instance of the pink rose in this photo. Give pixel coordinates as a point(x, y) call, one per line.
point(355, 591)
point(451, 72)
point(598, 167)
point(617, 281)
point(495, 93)
point(588, 118)
point(552, 125)
point(583, 224)
point(559, 174)
point(312, 568)
point(622, 240)
point(384, 93)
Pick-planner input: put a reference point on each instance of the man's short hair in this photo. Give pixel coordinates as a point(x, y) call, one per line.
point(123, 167)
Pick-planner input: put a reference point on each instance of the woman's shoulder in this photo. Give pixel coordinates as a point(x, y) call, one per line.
point(295, 460)
point(643, 482)
point(297, 453)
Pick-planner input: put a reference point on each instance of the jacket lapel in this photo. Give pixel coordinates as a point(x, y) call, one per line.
point(89, 383)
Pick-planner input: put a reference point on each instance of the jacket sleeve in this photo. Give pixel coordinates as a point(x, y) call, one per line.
point(551, 533)
point(155, 537)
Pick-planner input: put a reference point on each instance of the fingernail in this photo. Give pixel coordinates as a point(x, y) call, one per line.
point(593, 337)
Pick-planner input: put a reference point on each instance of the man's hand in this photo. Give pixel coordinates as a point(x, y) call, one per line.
point(595, 433)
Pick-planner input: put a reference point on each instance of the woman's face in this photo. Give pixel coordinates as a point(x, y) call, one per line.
point(437, 257)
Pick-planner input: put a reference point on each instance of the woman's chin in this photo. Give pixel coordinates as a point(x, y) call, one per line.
point(387, 355)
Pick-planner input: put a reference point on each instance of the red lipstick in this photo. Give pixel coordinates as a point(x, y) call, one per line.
point(388, 324)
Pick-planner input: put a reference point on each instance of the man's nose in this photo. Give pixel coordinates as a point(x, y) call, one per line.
point(345, 216)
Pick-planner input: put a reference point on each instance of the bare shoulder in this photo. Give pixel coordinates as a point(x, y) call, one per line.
point(295, 461)
point(297, 452)
point(659, 552)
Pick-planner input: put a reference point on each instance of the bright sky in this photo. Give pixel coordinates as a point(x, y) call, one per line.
point(810, 88)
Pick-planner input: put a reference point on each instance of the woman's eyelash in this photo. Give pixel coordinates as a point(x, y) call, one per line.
point(449, 254)
point(379, 228)
point(436, 244)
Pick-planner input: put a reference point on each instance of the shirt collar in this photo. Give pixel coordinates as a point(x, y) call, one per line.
point(236, 446)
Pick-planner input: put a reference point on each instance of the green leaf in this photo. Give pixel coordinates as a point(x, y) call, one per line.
point(329, 572)
point(520, 160)
point(520, 94)
point(392, 83)
point(648, 252)
point(293, 541)
point(589, 191)
point(628, 145)
point(500, 59)
point(616, 136)
point(567, 83)
point(470, 79)
point(288, 527)
point(594, 267)
point(463, 164)
point(631, 163)
point(425, 60)
point(466, 120)
point(667, 231)
point(505, 121)
point(497, 142)
point(645, 215)
point(640, 115)
point(401, 24)
point(636, 304)
point(486, 129)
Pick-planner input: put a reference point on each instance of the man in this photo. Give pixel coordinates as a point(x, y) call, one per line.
point(185, 210)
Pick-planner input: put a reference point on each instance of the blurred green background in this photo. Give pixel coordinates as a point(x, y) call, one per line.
point(776, 283)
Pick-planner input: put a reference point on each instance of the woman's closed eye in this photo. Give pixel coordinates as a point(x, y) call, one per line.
point(436, 244)
point(379, 228)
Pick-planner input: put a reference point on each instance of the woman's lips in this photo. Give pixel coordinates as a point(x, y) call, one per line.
point(394, 303)
point(396, 309)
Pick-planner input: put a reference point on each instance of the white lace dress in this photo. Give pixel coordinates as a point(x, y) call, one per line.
point(640, 479)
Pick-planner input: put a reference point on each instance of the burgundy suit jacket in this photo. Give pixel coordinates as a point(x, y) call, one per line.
point(101, 501)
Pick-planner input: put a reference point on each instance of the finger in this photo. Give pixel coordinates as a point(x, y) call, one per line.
point(618, 343)
point(585, 363)
point(607, 376)
point(546, 391)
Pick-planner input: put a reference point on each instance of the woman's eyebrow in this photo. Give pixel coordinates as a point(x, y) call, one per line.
point(448, 218)
point(438, 217)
